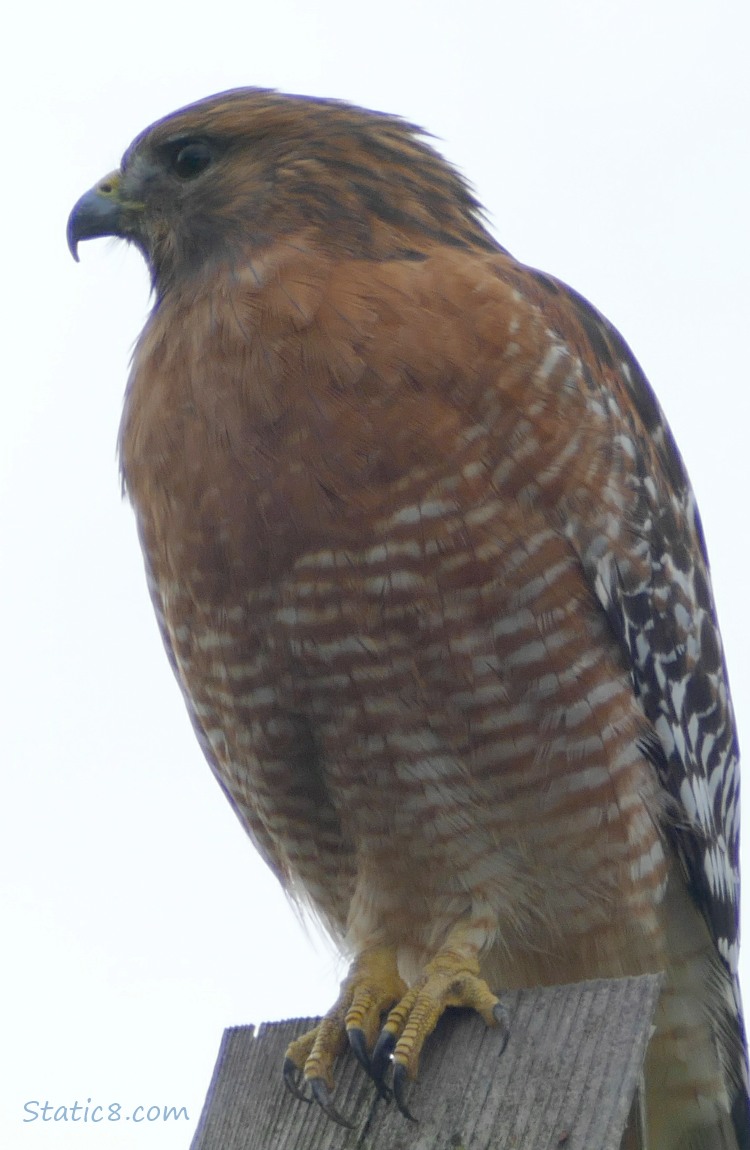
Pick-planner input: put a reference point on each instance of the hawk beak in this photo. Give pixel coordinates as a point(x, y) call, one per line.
point(97, 213)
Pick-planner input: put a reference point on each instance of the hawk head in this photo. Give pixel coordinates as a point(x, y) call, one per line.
point(226, 177)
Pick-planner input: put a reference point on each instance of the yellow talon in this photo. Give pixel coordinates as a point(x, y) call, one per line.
point(451, 978)
point(370, 988)
point(373, 986)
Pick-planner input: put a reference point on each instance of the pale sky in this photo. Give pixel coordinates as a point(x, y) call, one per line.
point(609, 143)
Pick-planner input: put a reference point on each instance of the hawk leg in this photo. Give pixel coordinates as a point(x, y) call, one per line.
point(371, 987)
point(451, 978)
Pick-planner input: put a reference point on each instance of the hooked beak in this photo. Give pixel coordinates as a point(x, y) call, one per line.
point(99, 212)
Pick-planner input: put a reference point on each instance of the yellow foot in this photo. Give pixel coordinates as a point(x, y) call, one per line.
point(450, 979)
point(370, 988)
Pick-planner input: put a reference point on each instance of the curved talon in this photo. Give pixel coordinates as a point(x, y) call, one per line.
point(322, 1096)
point(358, 1044)
point(381, 1055)
point(399, 1083)
point(292, 1077)
point(503, 1023)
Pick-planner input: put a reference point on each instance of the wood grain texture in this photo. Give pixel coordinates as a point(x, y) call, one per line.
point(566, 1081)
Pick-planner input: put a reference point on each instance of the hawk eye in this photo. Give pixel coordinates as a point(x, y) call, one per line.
point(189, 160)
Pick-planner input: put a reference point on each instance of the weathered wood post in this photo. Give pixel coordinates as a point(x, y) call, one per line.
point(567, 1080)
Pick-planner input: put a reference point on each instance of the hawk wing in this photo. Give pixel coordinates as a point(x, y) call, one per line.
point(661, 607)
point(657, 595)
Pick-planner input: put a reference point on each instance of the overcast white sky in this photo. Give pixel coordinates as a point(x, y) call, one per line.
point(609, 142)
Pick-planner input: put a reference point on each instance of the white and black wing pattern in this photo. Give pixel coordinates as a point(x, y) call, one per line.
point(662, 608)
point(652, 579)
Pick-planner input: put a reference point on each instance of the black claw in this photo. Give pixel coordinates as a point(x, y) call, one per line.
point(292, 1078)
point(381, 1055)
point(358, 1045)
point(322, 1096)
point(399, 1085)
point(359, 1048)
point(503, 1022)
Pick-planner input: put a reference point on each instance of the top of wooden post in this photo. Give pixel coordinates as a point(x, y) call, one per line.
point(566, 1081)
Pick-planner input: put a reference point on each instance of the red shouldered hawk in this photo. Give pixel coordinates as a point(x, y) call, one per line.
point(432, 579)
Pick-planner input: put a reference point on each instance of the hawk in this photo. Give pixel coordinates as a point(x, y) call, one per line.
point(430, 574)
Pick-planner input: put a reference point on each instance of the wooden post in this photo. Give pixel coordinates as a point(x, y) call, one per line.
point(567, 1080)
